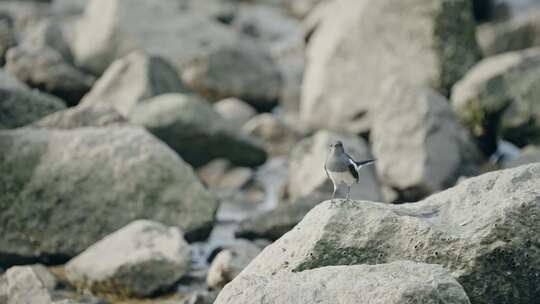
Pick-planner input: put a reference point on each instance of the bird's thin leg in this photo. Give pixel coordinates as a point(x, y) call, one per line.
point(348, 192)
point(333, 194)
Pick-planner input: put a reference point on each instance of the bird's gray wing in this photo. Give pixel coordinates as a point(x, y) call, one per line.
point(364, 163)
point(360, 164)
point(353, 169)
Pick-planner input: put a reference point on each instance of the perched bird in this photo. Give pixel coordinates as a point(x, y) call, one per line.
point(341, 168)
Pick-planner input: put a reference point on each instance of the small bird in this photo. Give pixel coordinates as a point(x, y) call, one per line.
point(341, 168)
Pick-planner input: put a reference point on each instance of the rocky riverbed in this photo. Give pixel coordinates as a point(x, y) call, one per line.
point(171, 151)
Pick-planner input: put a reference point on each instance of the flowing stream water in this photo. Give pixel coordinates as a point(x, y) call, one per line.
point(272, 177)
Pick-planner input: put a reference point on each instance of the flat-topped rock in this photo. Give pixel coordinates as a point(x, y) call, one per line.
point(483, 227)
point(393, 283)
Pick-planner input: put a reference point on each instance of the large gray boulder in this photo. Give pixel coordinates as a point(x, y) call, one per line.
point(306, 167)
point(84, 115)
point(485, 227)
point(518, 33)
point(45, 68)
point(137, 260)
point(20, 106)
point(62, 190)
point(418, 142)
point(429, 43)
point(132, 79)
point(195, 131)
point(111, 29)
point(244, 70)
point(499, 98)
point(393, 283)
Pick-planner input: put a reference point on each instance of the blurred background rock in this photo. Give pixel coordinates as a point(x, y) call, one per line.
point(157, 146)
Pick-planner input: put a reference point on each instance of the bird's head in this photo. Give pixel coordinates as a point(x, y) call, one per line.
point(336, 147)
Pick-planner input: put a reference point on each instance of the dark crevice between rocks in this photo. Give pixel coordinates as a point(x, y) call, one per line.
point(70, 97)
point(485, 127)
point(521, 135)
point(410, 195)
point(8, 260)
point(483, 10)
point(199, 234)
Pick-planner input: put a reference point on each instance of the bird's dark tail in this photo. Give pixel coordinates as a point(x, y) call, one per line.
point(364, 162)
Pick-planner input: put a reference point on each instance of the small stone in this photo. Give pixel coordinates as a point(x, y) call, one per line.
point(230, 262)
point(235, 111)
point(278, 138)
point(142, 257)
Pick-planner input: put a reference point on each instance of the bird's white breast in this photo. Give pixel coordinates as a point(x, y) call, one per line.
point(342, 177)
